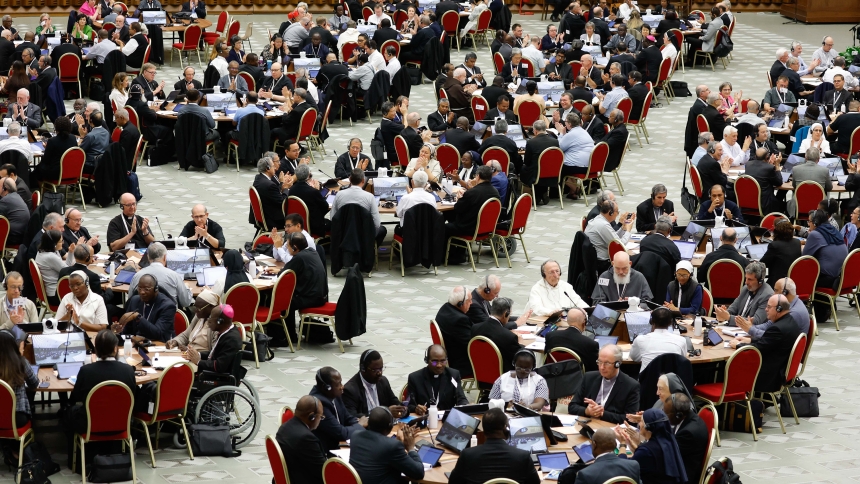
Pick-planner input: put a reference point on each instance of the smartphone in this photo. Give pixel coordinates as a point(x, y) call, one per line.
point(44, 384)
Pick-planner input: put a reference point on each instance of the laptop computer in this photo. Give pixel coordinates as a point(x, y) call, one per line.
point(50, 349)
point(474, 408)
point(457, 430)
point(605, 340)
point(744, 237)
point(210, 275)
point(687, 248)
point(694, 232)
point(756, 251)
point(389, 188)
point(638, 323)
point(527, 434)
point(153, 17)
point(603, 320)
point(584, 451)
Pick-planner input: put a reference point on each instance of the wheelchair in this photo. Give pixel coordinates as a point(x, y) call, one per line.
point(224, 399)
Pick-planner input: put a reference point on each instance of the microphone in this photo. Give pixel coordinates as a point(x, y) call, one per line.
point(748, 235)
point(191, 275)
point(66, 351)
point(160, 229)
point(571, 300)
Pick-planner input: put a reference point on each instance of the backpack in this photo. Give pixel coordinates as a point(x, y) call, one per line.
point(209, 163)
point(724, 47)
point(725, 472)
point(134, 185)
point(377, 147)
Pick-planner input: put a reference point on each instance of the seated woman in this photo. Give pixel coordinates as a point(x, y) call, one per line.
point(684, 294)
point(119, 93)
point(236, 274)
point(81, 29)
point(83, 307)
point(667, 384)
point(197, 335)
point(425, 162)
point(50, 263)
point(236, 53)
point(12, 315)
point(655, 449)
point(815, 137)
point(468, 173)
point(731, 102)
point(227, 345)
point(15, 370)
point(523, 385)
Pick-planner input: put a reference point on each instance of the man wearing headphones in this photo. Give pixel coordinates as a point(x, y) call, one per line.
point(551, 294)
point(799, 313)
point(824, 55)
point(494, 329)
point(775, 344)
point(436, 384)
point(717, 207)
point(495, 458)
point(650, 210)
point(169, 280)
point(149, 314)
point(337, 424)
point(352, 159)
point(380, 459)
point(621, 282)
point(16, 308)
point(456, 328)
point(76, 233)
point(272, 194)
point(307, 189)
point(660, 341)
point(606, 394)
point(726, 250)
point(659, 242)
point(303, 452)
point(482, 296)
point(600, 231)
point(369, 389)
point(691, 433)
point(751, 303)
point(573, 339)
point(606, 464)
point(711, 169)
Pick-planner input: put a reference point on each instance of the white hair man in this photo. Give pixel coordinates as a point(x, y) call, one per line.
point(739, 154)
point(417, 195)
point(796, 308)
point(552, 295)
point(25, 112)
point(620, 282)
point(459, 94)
point(456, 328)
point(15, 142)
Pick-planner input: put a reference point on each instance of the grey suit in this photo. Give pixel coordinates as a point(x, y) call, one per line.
point(813, 172)
point(33, 113)
point(241, 85)
point(95, 143)
point(710, 36)
point(754, 308)
point(13, 207)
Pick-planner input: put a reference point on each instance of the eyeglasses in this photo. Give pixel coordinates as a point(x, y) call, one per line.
point(76, 220)
point(605, 363)
point(150, 72)
point(134, 204)
point(289, 226)
point(439, 362)
point(377, 371)
point(19, 288)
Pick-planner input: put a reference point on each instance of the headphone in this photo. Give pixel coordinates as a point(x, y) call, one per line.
point(543, 274)
point(465, 294)
point(320, 379)
point(313, 415)
point(362, 363)
point(524, 352)
point(679, 415)
point(651, 426)
point(757, 270)
point(779, 302)
point(823, 40)
point(360, 144)
point(487, 284)
point(393, 420)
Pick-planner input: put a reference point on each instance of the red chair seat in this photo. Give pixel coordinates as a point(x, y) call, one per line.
point(178, 45)
point(712, 392)
point(88, 176)
point(326, 309)
point(234, 142)
point(114, 436)
point(211, 36)
point(262, 314)
point(398, 239)
point(503, 232)
point(142, 416)
point(7, 433)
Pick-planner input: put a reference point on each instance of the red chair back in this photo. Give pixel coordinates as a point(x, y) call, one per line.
point(741, 372)
point(450, 22)
point(479, 107)
point(306, 126)
point(180, 322)
point(63, 287)
point(810, 340)
point(114, 136)
point(522, 207)
point(132, 117)
point(366, 12)
point(769, 220)
point(854, 147)
point(173, 389)
point(597, 160)
point(498, 62)
point(807, 196)
point(297, 205)
point(149, 51)
point(5, 228)
point(443, 94)
point(550, 162)
point(488, 216)
point(8, 423)
point(249, 80)
point(665, 70)
point(448, 157)
point(563, 354)
point(530, 68)
point(245, 299)
point(436, 333)
point(575, 68)
point(626, 106)
point(850, 273)
point(72, 166)
point(748, 193)
point(696, 180)
point(276, 460)
point(679, 36)
point(38, 282)
point(579, 104)
point(399, 17)
point(68, 67)
point(257, 208)
point(708, 414)
point(725, 279)
point(112, 402)
point(529, 112)
point(804, 272)
point(484, 19)
point(744, 102)
point(392, 43)
point(402, 150)
point(707, 301)
point(645, 107)
point(109, 26)
point(192, 37)
point(233, 29)
point(338, 471)
point(486, 360)
point(614, 248)
point(796, 358)
point(221, 23)
point(702, 124)
point(346, 50)
point(282, 293)
point(494, 153)
point(261, 239)
point(287, 414)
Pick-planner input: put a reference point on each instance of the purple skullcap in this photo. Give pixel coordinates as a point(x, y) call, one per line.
point(227, 310)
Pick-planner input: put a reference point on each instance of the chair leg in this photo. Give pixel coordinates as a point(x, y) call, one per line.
point(505, 246)
point(301, 331)
point(81, 190)
point(493, 248)
point(149, 442)
point(833, 311)
point(131, 453)
point(84, 461)
point(471, 258)
point(523, 243)
point(636, 130)
point(778, 414)
point(752, 422)
point(447, 252)
point(254, 344)
point(787, 394)
point(561, 197)
point(289, 340)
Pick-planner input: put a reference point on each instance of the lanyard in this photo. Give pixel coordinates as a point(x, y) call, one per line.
point(781, 97)
point(372, 397)
point(680, 291)
point(146, 316)
point(124, 222)
point(746, 304)
point(317, 52)
point(605, 393)
point(620, 291)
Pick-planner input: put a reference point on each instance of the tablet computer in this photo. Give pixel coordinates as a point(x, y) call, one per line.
point(756, 251)
point(602, 320)
point(714, 337)
point(68, 370)
point(457, 430)
point(124, 277)
point(584, 451)
point(553, 461)
point(430, 455)
point(606, 340)
point(527, 434)
point(638, 323)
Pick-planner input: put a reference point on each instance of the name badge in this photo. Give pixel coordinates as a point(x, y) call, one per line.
point(454, 382)
point(129, 246)
point(602, 281)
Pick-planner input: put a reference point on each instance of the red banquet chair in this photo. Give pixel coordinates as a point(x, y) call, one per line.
point(338, 471)
point(708, 414)
point(282, 296)
point(286, 414)
point(189, 43)
point(550, 162)
point(315, 316)
point(725, 279)
point(748, 194)
point(479, 107)
point(171, 404)
point(245, 299)
point(738, 383)
point(529, 112)
point(448, 157)
point(71, 172)
point(494, 153)
point(804, 272)
point(9, 429)
point(257, 211)
point(180, 322)
point(220, 25)
point(517, 227)
point(276, 460)
point(112, 402)
point(807, 196)
point(596, 164)
point(488, 217)
point(707, 302)
point(848, 282)
point(769, 220)
point(486, 360)
point(436, 333)
point(791, 369)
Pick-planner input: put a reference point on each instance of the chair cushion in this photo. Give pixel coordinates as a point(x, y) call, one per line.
point(825, 290)
point(146, 417)
point(7, 433)
point(262, 314)
point(326, 309)
point(712, 392)
point(398, 238)
point(178, 45)
point(503, 232)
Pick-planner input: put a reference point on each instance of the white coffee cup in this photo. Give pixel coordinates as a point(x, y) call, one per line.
point(216, 89)
point(497, 403)
point(302, 54)
point(647, 11)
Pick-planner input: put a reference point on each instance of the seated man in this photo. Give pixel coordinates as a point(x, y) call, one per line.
point(718, 208)
point(606, 465)
point(691, 434)
point(621, 282)
point(827, 246)
point(95, 142)
point(443, 119)
point(788, 288)
point(456, 328)
point(83, 257)
point(151, 88)
point(417, 195)
point(198, 335)
point(355, 193)
point(549, 295)
point(843, 126)
point(659, 341)
point(337, 424)
point(482, 296)
point(379, 459)
point(459, 94)
point(128, 229)
point(573, 339)
point(500, 140)
point(312, 292)
point(307, 189)
point(11, 171)
point(207, 232)
point(495, 458)
point(436, 384)
point(293, 224)
point(606, 394)
point(192, 108)
point(650, 210)
point(494, 329)
point(149, 314)
point(169, 280)
point(76, 233)
point(464, 217)
point(303, 451)
point(658, 242)
point(750, 304)
point(272, 191)
point(16, 143)
point(15, 210)
point(98, 52)
point(763, 166)
point(274, 86)
point(726, 250)
point(351, 160)
point(25, 311)
point(600, 231)
point(232, 82)
point(228, 343)
point(369, 389)
point(24, 112)
point(503, 112)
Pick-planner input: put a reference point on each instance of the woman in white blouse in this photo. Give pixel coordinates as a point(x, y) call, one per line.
point(815, 137)
point(82, 306)
point(480, 6)
point(669, 51)
point(50, 263)
point(523, 385)
point(426, 162)
point(732, 149)
point(468, 171)
point(589, 37)
point(119, 93)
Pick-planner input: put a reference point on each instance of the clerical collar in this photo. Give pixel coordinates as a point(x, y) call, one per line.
point(611, 380)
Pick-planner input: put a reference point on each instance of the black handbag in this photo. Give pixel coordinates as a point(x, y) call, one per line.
point(689, 201)
point(211, 440)
point(32, 473)
point(805, 399)
point(563, 379)
point(110, 468)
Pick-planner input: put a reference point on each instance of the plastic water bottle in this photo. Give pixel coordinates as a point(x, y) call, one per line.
point(278, 60)
point(697, 326)
point(126, 348)
point(111, 270)
point(432, 417)
point(252, 269)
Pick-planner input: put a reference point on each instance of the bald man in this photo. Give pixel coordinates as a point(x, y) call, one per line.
point(303, 452)
point(573, 339)
point(206, 232)
point(606, 464)
point(128, 228)
point(435, 384)
point(621, 282)
point(76, 233)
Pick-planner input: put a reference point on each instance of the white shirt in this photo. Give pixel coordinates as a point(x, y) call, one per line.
point(118, 98)
point(101, 50)
point(735, 152)
point(824, 147)
point(535, 56)
point(850, 81)
point(220, 64)
point(129, 46)
point(649, 346)
point(377, 61)
point(348, 35)
point(415, 197)
point(370, 393)
point(669, 52)
point(393, 67)
point(282, 254)
point(625, 10)
point(17, 144)
point(600, 233)
point(315, 93)
point(377, 19)
point(91, 311)
point(545, 299)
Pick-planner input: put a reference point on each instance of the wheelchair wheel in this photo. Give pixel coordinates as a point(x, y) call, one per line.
point(247, 386)
point(510, 242)
point(232, 406)
point(179, 440)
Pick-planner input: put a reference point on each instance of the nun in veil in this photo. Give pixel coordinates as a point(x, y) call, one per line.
point(655, 449)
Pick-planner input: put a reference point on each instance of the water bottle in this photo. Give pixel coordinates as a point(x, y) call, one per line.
point(252, 269)
point(126, 348)
point(432, 417)
point(697, 326)
point(278, 60)
point(111, 274)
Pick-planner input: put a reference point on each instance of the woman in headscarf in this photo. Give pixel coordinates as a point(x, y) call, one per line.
point(198, 335)
point(684, 294)
point(83, 307)
point(655, 449)
point(667, 384)
point(468, 169)
point(815, 137)
point(236, 274)
point(523, 385)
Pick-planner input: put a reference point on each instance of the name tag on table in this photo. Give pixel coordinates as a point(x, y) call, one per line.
point(603, 281)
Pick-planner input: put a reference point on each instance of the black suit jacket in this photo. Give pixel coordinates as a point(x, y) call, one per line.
point(534, 147)
point(596, 129)
point(212, 227)
point(775, 346)
point(338, 424)
point(508, 71)
point(436, 122)
point(581, 93)
point(504, 339)
point(842, 99)
point(637, 94)
point(617, 141)
point(420, 39)
point(492, 114)
point(795, 85)
point(663, 247)
point(491, 94)
point(645, 216)
point(421, 389)
point(128, 138)
point(563, 71)
point(291, 122)
point(507, 144)
point(768, 179)
point(456, 330)
point(711, 173)
point(92, 277)
point(316, 203)
point(494, 459)
point(479, 309)
point(91, 375)
point(716, 122)
point(462, 140)
point(413, 141)
point(779, 256)
point(605, 468)
point(382, 35)
point(200, 10)
point(602, 28)
point(381, 460)
point(158, 323)
point(623, 399)
point(691, 133)
point(355, 397)
point(776, 70)
point(582, 345)
point(222, 358)
point(467, 207)
point(303, 452)
point(343, 165)
point(445, 6)
point(692, 437)
point(470, 80)
point(326, 37)
point(256, 73)
point(271, 199)
point(725, 251)
point(7, 49)
point(572, 26)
